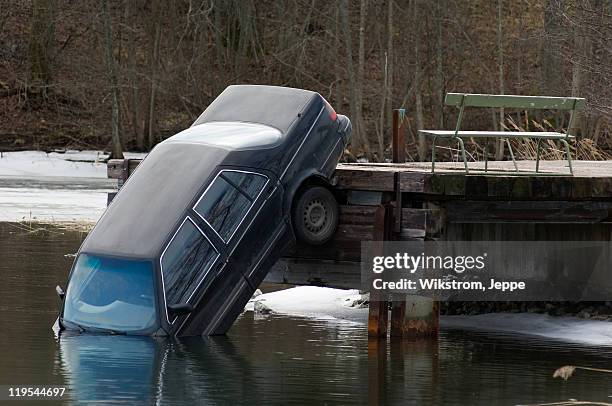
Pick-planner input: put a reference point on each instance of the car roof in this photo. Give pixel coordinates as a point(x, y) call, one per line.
point(274, 106)
point(153, 201)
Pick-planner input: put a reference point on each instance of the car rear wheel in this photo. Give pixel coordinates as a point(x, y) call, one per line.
point(315, 215)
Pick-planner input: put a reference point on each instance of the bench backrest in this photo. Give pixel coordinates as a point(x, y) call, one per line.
point(511, 101)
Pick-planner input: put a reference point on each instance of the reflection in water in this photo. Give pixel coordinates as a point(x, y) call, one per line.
point(266, 359)
point(101, 368)
point(211, 370)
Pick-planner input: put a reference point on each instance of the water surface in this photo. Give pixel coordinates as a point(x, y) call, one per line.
point(265, 359)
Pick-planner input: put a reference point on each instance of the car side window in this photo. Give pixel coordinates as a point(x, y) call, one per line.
point(228, 199)
point(185, 262)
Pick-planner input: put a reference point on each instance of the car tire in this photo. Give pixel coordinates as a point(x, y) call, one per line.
point(315, 215)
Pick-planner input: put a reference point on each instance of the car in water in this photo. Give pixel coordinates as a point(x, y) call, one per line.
point(196, 227)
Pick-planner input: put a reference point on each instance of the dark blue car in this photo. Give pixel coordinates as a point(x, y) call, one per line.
point(196, 228)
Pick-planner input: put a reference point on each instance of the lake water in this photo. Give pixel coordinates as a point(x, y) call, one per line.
point(265, 359)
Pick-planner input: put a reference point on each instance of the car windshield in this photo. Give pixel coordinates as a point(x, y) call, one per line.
point(110, 293)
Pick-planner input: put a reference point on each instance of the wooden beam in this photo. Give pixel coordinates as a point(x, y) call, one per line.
point(364, 178)
point(121, 168)
point(316, 272)
point(467, 211)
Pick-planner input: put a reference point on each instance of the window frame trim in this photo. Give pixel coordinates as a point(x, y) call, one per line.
point(239, 191)
point(161, 266)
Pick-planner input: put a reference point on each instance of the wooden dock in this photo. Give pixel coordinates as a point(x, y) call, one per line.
point(407, 202)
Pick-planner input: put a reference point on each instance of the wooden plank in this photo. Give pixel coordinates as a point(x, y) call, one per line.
point(357, 214)
point(601, 187)
point(428, 220)
point(454, 185)
point(364, 179)
point(316, 272)
point(116, 168)
point(528, 211)
point(412, 182)
point(364, 197)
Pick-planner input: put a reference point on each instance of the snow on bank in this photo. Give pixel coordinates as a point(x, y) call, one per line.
point(55, 187)
point(343, 305)
point(88, 164)
point(52, 202)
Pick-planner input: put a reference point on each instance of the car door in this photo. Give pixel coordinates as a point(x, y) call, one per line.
point(188, 265)
point(241, 210)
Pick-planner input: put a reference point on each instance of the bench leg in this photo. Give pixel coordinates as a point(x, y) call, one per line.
point(512, 155)
point(569, 156)
point(538, 154)
point(433, 155)
point(460, 141)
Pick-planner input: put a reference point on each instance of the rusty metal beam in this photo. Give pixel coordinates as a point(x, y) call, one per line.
point(399, 139)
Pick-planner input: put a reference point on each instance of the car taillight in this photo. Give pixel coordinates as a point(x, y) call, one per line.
point(331, 111)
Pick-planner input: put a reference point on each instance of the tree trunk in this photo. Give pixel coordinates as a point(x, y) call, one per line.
point(360, 77)
point(499, 146)
point(391, 33)
point(422, 147)
point(552, 62)
point(338, 68)
point(153, 64)
point(41, 47)
point(380, 133)
point(133, 81)
point(439, 64)
point(117, 148)
point(580, 55)
point(353, 94)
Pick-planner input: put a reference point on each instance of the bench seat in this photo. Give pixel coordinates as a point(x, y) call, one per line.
point(500, 134)
point(463, 100)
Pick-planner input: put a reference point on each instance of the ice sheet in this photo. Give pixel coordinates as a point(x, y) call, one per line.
point(335, 304)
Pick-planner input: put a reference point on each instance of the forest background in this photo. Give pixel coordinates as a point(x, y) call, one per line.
point(123, 75)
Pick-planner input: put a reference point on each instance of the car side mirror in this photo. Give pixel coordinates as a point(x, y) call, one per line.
point(179, 309)
point(60, 292)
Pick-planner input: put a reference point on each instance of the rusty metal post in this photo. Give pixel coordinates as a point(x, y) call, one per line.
point(379, 306)
point(398, 143)
point(377, 372)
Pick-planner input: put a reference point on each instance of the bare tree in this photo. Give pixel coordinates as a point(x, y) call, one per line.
point(499, 146)
point(354, 94)
point(439, 9)
point(41, 47)
point(133, 85)
point(113, 80)
point(363, 10)
point(422, 147)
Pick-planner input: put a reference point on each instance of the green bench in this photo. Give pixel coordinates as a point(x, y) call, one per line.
point(463, 100)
